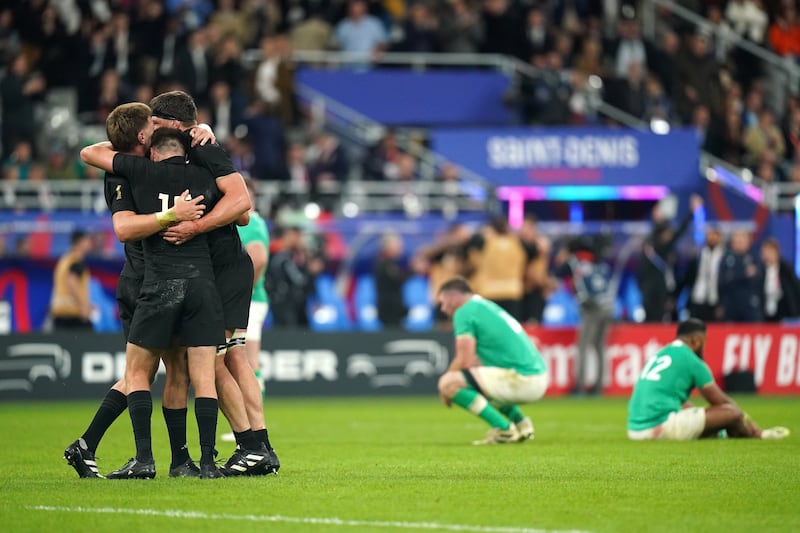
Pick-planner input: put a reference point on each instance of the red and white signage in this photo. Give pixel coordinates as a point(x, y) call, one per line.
point(771, 352)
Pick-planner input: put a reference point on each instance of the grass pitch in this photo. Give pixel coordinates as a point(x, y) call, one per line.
point(407, 464)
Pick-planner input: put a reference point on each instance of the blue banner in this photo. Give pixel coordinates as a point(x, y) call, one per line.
point(402, 97)
point(573, 156)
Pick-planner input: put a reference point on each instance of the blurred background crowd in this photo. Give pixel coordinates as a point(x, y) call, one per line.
point(68, 63)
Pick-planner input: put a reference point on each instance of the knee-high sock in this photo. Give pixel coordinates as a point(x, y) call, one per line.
point(113, 405)
point(176, 428)
point(205, 410)
point(513, 412)
point(140, 407)
point(476, 403)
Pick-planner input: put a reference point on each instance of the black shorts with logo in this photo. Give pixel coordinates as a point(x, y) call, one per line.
point(235, 286)
point(127, 293)
point(177, 312)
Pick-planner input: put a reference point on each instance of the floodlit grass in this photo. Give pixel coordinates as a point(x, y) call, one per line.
point(409, 461)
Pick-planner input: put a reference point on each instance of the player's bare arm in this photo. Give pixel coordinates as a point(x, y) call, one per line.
point(129, 226)
point(714, 395)
point(100, 155)
point(258, 255)
point(466, 353)
point(235, 203)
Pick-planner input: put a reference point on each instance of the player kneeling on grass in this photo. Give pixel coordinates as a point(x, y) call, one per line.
point(659, 410)
point(495, 367)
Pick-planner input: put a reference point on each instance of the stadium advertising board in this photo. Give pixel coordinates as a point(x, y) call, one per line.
point(62, 366)
point(573, 156)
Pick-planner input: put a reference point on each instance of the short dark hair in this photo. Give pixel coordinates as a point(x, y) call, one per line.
point(171, 139)
point(124, 124)
point(76, 236)
point(457, 284)
point(690, 327)
point(175, 105)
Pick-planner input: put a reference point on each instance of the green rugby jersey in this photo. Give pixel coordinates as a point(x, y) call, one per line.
point(500, 339)
point(256, 231)
point(665, 384)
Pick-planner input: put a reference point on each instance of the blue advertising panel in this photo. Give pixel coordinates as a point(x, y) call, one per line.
point(551, 157)
point(396, 97)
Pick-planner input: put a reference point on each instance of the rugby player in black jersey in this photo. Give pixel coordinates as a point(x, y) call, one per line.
point(249, 458)
point(133, 137)
point(233, 268)
point(178, 303)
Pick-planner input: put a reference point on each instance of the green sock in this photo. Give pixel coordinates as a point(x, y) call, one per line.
point(513, 412)
point(476, 404)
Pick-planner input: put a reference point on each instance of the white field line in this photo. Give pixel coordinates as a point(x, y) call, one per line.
point(316, 521)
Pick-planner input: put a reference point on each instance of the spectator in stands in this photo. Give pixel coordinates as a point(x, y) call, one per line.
point(9, 36)
point(226, 65)
point(497, 261)
point(390, 275)
point(721, 34)
point(791, 131)
point(582, 263)
point(70, 308)
point(290, 279)
point(503, 28)
point(328, 160)
point(655, 274)
point(590, 59)
point(59, 165)
point(44, 197)
point(297, 175)
point(701, 121)
point(361, 33)
point(267, 137)
point(313, 33)
point(147, 24)
point(780, 288)
point(628, 47)
point(381, 159)
point(266, 81)
point(233, 21)
point(630, 93)
point(406, 168)
point(662, 60)
point(19, 90)
point(111, 93)
point(747, 18)
point(739, 289)
point(794, 174)
point(461, 30)
point(724, 139)
point(697, 78)
point(762, 137)
point(702, 279)
point(537, 281)
point(193, 65)
point(420, 30)
point(226, 109)
point(544, 99)
point(538, 39)
point(784, 33)
point(20, 160)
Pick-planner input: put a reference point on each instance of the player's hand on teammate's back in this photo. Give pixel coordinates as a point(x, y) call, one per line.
point(180, 232)
point(190, 208)
point(201, 135)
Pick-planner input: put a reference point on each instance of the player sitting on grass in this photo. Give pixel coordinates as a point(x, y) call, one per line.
point(495, 366)
point(659, 410)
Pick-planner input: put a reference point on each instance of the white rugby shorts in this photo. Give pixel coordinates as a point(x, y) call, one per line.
point(258, 314)
point(505, 385)
point(686, 424)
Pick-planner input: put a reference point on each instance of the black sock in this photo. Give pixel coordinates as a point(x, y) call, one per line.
point(140, 407)
point(176, 427)
point(263, 436)
point(247, 440)
point(113, 405)
point(205, 410)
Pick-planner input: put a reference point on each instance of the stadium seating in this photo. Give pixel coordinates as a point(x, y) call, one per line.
point(365, 303)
